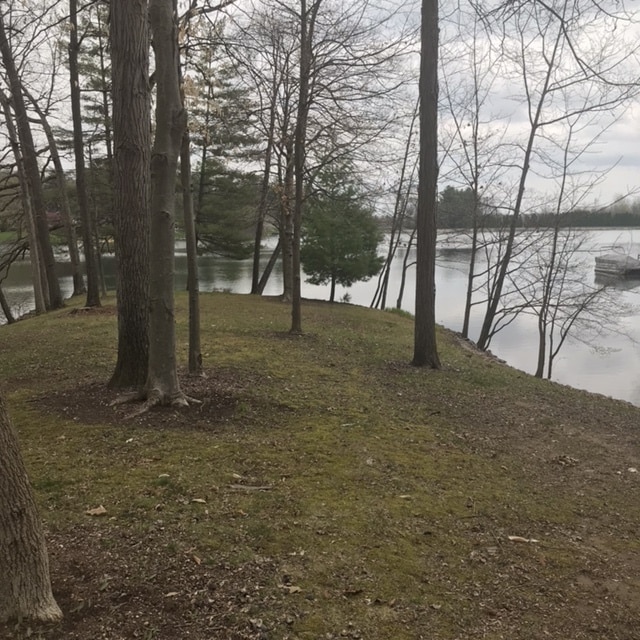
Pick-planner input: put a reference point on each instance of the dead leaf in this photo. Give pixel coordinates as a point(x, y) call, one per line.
point(199, 500)
point(98, 511)
point(171, 594)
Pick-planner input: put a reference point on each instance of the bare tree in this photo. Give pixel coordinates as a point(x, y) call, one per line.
point(549, 48)
point(31, 168)
point(90, 259)
point(195, 353)
point(25, 588)
point(266, 51)
point(332, 76)
point(308, 16)
point(129, 37)
point(162, 386)
point(38, 275)
point(65, 207)
point(425, 351)
point(550, 280)
point(402, 196)
point(267, 58)
point(473, 146)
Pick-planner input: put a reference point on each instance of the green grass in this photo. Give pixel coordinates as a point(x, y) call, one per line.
point(393, 490)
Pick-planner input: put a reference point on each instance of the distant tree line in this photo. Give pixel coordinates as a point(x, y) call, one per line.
point(456, 211)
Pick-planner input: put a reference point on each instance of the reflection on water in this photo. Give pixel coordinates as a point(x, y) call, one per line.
point(617, 282)
point(607, 364)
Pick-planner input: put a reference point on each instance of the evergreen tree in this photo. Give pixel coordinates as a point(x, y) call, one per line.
point(227, 210)
point(223, 136)
point(340, 235)
point(455, 208)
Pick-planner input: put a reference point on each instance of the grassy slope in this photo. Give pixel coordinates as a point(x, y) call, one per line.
point(393, 490)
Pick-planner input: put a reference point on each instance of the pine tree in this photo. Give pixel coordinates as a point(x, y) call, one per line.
point(340, 234)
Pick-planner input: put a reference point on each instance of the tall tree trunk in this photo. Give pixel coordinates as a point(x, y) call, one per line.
point(307, 19)
point(273, 258)
point(264, 191)
point(193, 287)
point(67, 218)
point(286, 223)
point(32, 171)
point(25, 588)
point(162, 386)
point(38, 276)
point(94, 214)
point(542, 348)
point(425, 347)
point(91, 265)
point(471, 274)
point(203, 161)
point(405, 267)
point(6, 309)
point(132, 142)
point(105, 82)
point(201, 184)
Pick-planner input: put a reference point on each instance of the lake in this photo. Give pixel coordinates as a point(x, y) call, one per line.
point(607, 364)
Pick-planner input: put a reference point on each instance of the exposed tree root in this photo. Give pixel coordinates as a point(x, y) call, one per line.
point(156, 398)
point(147, 405)
point(153, 398)
point(125, 398)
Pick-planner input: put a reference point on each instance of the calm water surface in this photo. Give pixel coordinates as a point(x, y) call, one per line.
point(609, 364)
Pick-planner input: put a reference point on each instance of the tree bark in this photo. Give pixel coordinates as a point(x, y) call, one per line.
point(32, 171)
point(264, 190)
point(132, 142)
point(405, 267)
point(25, 588)
point(425, 347)
point(105, 81)
point(162, 386)
point(307, 27)
point(91, 264)
point(269, 268)
point(286, 226)
point(6, 309)
point(193, 287)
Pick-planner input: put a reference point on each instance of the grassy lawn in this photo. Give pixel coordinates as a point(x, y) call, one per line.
point(324, 488)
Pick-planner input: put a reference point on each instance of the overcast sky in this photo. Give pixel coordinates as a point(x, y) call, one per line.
point(520, 46)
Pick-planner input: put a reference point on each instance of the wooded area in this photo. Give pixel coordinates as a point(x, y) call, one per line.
point(126, 123)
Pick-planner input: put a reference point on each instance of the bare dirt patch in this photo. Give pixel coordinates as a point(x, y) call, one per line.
point(218, 394)
point(113, 585)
